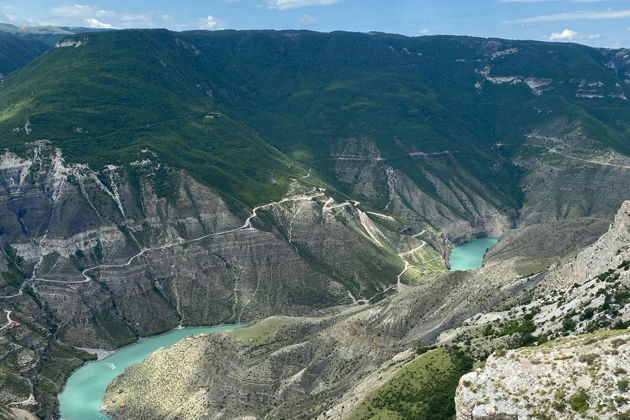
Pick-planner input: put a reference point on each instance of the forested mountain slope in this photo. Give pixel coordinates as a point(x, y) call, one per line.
point(15, 53)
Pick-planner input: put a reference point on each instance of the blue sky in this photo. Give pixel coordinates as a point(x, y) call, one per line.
point(594, 22)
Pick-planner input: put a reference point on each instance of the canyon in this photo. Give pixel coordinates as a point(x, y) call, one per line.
point(169, 179)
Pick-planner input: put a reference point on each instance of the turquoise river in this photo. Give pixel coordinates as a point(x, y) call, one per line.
point(83, 394)
point(470, 255)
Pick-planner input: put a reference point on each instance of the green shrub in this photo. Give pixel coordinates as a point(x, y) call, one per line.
point(559, 406)
point(589, 359)
point(488, 331)
point(579, 401)
point(624, 416)
point(587, 314)
point(618, 342)
point(500, 352)
point(422, 350)
point(542, 339)
point(568, 324)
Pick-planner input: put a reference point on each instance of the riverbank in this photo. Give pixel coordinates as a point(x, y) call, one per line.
point(99, 353)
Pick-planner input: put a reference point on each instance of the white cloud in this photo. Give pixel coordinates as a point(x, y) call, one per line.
point(566, 34)
point(292, 4)
point(18, 20)
point(423, 31)
point(95, 23)
point(308, 20)
point(580, 15)
point(211, 22)
point(82, 10)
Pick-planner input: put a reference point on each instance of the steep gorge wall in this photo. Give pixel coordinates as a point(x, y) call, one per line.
point(132, 252)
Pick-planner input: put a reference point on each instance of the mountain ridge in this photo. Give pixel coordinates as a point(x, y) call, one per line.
point(212, 70)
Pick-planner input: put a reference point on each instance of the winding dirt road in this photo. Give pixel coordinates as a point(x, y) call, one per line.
point(328, 206)
point(9, 320)
point(86, 278)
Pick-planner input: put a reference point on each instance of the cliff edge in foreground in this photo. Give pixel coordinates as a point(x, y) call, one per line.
point(582, 377)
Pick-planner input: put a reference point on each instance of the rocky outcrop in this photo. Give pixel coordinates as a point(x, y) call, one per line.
point(579, 377)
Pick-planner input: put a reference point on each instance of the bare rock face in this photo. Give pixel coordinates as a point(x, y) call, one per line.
point(608, 252)
point(128, 252)
point(579, 377)
point(456, 208)
point(568, 174)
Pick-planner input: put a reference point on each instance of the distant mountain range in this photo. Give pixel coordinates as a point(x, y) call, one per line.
point(49, 34)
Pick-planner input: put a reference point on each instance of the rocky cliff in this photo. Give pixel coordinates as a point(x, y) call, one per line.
point(573, 378)
point(96, 247)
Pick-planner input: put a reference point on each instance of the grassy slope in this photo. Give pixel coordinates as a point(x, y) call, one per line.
point(423, 389)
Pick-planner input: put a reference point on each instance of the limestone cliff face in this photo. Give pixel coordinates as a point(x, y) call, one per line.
point(608, 252)
point(456, 207)
point(128, 252)
point(580, 377)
